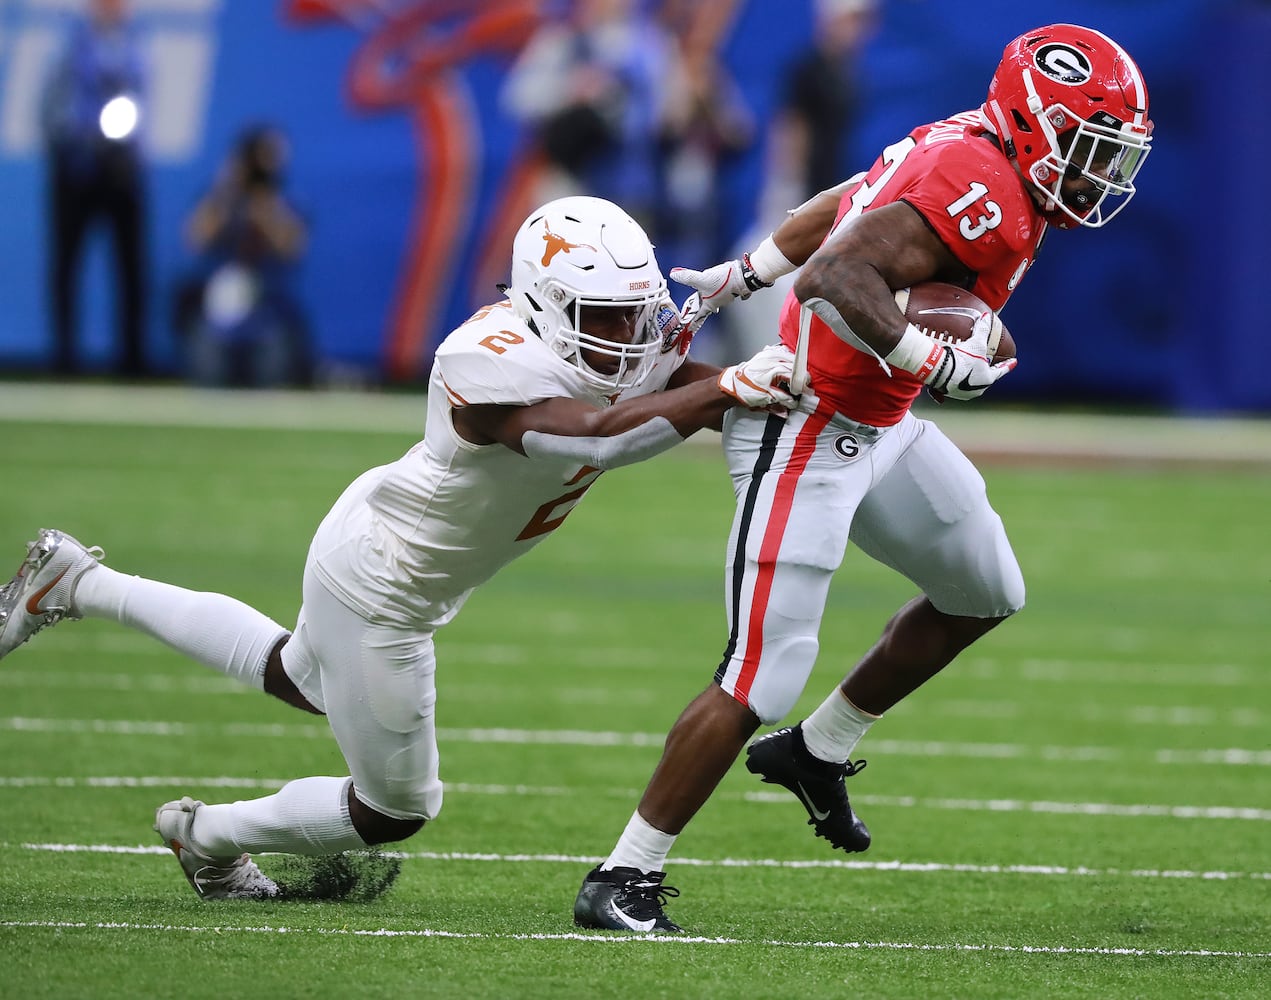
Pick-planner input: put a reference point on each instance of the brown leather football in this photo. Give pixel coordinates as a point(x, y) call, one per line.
point(947, 312)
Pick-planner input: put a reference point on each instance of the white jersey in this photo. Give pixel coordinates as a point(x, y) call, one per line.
point(407, 542)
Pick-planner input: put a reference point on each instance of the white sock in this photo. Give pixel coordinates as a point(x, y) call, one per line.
point(640, 846)
point(832, 731)
point(307, 816)
point(213, 629)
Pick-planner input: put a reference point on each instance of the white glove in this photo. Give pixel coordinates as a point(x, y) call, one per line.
point(763, 382)
point(719, 285)
point(734, 279)
point(962, 370)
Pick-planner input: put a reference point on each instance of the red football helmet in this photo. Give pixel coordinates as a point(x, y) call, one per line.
point(1069, 102)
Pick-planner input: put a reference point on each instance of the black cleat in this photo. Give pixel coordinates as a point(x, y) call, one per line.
point(625, 899)
point(781, 758)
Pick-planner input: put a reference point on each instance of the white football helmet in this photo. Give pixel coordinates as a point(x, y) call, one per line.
point(578, 252)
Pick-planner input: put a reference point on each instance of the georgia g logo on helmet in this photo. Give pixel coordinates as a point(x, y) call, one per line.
point(1064, 63)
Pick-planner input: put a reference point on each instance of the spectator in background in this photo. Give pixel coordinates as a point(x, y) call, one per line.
point(242, 321)
point(707, 124)
point(591, 86)
point(820, 101)
point(809, 143)
point(90, 115)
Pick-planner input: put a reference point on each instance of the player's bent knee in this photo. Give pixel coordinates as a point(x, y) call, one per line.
point(997, 597)
point(420, 801)
point(376, 825)
point(782, 675)
point(381, 829)
point(280, 685)
point(1011, 598)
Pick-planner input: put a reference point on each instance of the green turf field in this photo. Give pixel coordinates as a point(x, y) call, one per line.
point(1080, 806)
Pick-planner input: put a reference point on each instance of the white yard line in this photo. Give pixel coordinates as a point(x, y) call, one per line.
point(904, 867)
point(1133, 715)
point(1033, 806)
point(1217, 756)
point(656, 940)
point(1117, 672)
point(195, 684)
point(203, 684)
point(1110, 809)
point(1140, 674)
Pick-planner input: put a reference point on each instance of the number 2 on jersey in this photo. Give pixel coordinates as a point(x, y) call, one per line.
point(496, 341)
point(551, 514)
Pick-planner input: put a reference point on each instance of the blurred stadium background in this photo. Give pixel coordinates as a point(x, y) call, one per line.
point(410, 172)
point(1107, 752)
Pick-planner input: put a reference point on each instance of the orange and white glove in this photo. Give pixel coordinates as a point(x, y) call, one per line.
point(763, 382)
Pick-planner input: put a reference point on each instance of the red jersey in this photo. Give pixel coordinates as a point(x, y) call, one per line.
point(953, 174)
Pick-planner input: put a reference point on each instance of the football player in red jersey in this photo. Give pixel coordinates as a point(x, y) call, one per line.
point(967, 200)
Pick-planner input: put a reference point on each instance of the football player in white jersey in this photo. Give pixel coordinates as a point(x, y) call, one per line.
point(967, 200)
point(582, 369)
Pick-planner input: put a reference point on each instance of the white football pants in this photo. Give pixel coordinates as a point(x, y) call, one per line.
point(376, 684)
point(807, 484)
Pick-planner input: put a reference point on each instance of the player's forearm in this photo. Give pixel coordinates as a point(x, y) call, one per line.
point(634, 430)
point(648, 439)
point(692, 371)
point(784, 250)
point(854, 301)
point(805, 228)
point(687, 408)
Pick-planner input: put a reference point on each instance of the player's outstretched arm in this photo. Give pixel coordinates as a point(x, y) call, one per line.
point(634, 429)
point(789, 246)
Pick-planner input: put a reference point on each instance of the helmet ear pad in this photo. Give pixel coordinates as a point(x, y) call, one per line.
point(529, 315)
point(577, 252)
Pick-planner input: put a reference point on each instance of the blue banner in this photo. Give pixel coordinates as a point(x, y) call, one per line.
point(412, 173)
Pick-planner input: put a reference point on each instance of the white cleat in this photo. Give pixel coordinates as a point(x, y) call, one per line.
point(43, 591)
point(211, 878)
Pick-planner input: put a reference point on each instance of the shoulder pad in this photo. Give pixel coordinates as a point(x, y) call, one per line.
point(496, 358)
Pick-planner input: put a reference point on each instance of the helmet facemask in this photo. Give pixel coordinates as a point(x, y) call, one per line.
point(575, 256)
point(1068, 104)
point(1102, 151)
point(631, 361)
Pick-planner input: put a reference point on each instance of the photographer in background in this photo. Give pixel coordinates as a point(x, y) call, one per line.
point(243, 324)
point(91, 112)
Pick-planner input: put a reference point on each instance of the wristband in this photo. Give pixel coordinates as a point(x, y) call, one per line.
point(916, 353)
point(767, 263)
point(749, 278)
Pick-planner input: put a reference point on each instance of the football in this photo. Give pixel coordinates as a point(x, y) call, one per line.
point(947, 312)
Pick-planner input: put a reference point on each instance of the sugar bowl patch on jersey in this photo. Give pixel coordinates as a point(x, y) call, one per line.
point(675, 333)
point(677, 329)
